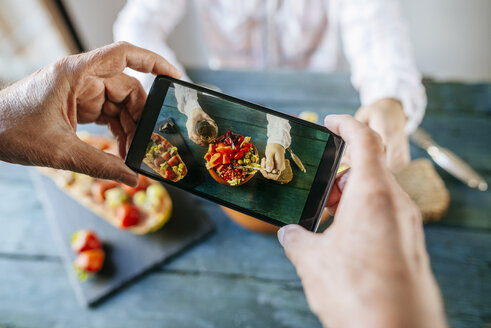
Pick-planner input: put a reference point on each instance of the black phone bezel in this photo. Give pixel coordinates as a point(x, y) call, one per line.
point(321, 185)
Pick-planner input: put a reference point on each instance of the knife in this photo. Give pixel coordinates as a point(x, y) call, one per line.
point(297, 160)
point(449, 161)
point(274, 171)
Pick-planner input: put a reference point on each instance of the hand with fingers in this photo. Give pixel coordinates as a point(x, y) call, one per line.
point(370, 268)
point(274, 161)
point(386, 117)
point(194, 117)
point(39, 114)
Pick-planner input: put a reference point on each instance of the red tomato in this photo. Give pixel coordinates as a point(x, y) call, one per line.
point(244, 150)
point(84, 240)
point(173, 161)
point(143, 183)
point(99, 187)
point(128, 215)
point(168, 174)
point(241, 138)
point(238, 155)
point(166, 156)
point(247, 144)
point(90, 261)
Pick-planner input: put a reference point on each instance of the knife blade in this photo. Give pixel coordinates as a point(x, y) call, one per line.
point(447, 160)
point(274, 171)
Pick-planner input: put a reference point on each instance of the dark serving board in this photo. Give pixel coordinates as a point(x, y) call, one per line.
point(128, 256)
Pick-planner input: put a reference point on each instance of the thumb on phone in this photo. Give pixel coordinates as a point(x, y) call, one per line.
point(296, 241)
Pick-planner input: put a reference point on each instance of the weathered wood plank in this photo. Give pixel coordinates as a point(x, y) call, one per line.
point(43, 297)
point(37, 294)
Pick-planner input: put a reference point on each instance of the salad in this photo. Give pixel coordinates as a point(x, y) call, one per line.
point(233, 158)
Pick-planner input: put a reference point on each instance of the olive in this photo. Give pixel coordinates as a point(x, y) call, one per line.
point(247, 161)
point(240, 162)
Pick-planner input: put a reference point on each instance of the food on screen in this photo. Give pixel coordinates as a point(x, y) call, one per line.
point(232, 159)
point(162, 157)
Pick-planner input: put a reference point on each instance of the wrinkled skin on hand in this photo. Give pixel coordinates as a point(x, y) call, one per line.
point(274, 159)
point(387, 118)
point(39, 114)
point(197, 115)
point(370, 268)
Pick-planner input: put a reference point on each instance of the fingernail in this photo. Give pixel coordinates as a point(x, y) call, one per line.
point(281, 234)
point(283, 231)
point(130, 179)
point(268, 168)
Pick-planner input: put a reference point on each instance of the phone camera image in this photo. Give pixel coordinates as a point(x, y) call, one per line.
point(230, 152)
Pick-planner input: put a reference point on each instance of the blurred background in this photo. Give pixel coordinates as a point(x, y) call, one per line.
point(450, 37)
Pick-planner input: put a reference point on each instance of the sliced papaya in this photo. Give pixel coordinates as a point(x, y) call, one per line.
point(226, 160)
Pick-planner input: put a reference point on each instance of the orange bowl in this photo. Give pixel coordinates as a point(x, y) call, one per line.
point(250, 223)
point(253, 224)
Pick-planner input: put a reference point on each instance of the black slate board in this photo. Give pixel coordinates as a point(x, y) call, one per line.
point(128, 256)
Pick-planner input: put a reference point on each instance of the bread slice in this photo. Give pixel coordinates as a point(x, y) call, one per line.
point(426, 188)
point(287, 174)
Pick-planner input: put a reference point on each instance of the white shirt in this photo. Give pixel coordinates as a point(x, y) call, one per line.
point(301, 34)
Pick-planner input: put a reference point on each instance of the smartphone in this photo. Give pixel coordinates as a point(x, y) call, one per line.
point(223, 156)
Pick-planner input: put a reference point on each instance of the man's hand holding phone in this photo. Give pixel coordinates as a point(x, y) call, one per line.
point(370, 267)
point(39, 114)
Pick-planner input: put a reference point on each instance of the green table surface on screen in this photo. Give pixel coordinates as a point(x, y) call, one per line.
point(256, 195)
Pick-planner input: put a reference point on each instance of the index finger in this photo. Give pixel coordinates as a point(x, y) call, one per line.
point(365, 145)
point(114, 58)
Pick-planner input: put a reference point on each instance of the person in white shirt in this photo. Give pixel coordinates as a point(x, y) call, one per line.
point(310, 35)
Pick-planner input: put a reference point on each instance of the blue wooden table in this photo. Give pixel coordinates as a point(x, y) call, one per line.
point(237, 278)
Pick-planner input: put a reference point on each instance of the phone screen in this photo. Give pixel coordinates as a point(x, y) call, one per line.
point(243, 155)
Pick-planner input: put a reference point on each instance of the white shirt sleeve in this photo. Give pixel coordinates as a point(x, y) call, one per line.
point(377, 46)
point(147, 24)
point(187, 99)
point(278, 131)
